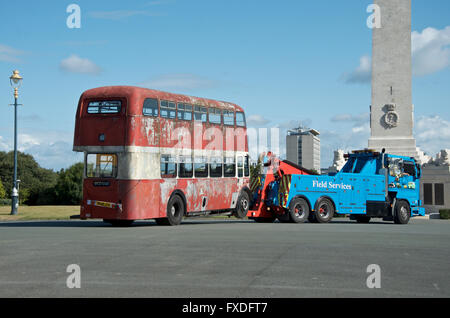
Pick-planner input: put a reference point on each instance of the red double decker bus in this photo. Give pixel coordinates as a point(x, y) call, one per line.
point(155, 155)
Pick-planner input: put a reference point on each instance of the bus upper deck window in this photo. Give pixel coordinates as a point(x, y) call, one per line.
point(104, 107)
point(228, 117)
point(184, 111)
point(215, 116)
point(150, 107)
point(101, 166)
point(240, 119)
point(168, 109)
point(200, 114)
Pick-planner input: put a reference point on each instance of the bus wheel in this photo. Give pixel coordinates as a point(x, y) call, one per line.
point(324, 210)
point(242, 205)
point(402, 212)
point(265, 220)
point(175, 212)
point(362, 218)
point(298, 210)
point(119, 223)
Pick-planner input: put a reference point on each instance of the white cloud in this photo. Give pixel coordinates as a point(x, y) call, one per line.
point(257, 120)
point(51, 149)
point(76, 64)
point(430, 50)
point(432, 134)
point(179, 82)
point(9, 54)
point(362, 74)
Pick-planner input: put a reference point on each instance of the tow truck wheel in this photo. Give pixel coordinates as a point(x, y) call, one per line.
point(324, 210)
point(298, 210)
point(242, 205)
point(402, 212)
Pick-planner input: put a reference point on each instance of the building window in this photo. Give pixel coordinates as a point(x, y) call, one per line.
point(439, 194)
point(150, 107)
point(428, 193)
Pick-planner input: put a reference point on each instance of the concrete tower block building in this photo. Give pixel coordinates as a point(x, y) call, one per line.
point(391, 112)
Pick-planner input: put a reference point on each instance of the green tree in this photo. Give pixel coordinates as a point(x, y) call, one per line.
point(69, 186)
point(2, 190)
point(35, 180)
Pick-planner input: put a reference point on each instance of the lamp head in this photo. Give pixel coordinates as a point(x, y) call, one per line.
point(15, 79)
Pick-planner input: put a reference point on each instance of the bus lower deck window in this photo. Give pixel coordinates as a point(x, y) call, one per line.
point(168, 167)
point(186, 168)
point(229, 167)
point(200, 167)
point(240, 165)
point(101, 166)
point(215, 168)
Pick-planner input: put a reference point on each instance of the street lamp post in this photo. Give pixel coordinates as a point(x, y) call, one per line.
point(15, 80)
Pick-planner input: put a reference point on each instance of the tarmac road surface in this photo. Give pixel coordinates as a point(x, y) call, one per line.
point(225, 258)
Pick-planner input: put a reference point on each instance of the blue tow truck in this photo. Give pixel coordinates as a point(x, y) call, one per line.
point(370, 185)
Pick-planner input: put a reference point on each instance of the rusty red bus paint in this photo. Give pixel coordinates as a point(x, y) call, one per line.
point(142, 147)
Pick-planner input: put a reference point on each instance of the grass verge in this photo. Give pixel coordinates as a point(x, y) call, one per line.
point(41, 212)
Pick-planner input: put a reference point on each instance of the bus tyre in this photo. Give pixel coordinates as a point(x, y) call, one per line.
point(298, 210)
point(242, 205)
point(324, 210)
point(402, 212)
point(175, 212)
point(362, 218)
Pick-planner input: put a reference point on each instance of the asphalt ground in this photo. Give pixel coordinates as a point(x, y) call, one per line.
point(225, 258)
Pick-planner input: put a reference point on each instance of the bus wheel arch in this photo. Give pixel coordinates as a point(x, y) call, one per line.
point(243, 203)
point(175, 209)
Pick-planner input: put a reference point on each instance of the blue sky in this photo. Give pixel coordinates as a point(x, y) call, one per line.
point(285, 62)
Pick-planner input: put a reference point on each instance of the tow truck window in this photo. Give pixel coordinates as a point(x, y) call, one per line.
point(408, 167)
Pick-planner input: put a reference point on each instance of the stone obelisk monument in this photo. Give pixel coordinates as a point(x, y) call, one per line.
point(391, 112)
